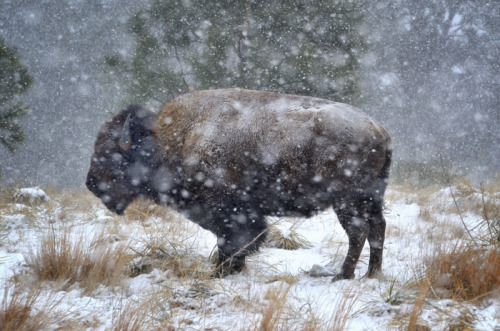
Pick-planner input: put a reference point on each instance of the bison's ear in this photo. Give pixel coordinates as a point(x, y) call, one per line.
point(126, 138)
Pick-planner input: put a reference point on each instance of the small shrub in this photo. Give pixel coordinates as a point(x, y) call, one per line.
point(290, 240)
point(16, 310)
point(170, 246)
point(68, 260)
point(392, 294)
point(24, 308)
point(465, 273)
point(181, 260)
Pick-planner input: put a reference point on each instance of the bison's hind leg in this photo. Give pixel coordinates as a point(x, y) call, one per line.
point(238, 238)
point(374, 210)
point(362, 219)
point(376, 237)
point(352, 218)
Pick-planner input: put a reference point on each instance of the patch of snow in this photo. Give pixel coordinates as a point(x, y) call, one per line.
point(30, 195)
point(237, 301)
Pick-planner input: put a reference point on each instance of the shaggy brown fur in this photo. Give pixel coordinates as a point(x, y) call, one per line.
point(226, 131)
point(228, 158)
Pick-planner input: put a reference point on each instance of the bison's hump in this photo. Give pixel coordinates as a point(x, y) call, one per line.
point(237, 126)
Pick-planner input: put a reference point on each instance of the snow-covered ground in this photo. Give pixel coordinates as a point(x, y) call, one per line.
point(276, 287)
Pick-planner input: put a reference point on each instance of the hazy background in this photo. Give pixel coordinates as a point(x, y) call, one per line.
point(428, 70)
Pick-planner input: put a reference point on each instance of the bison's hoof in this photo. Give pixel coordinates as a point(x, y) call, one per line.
point(373, 274)
point(341, 276)
point(222, 272)
point(227, 269)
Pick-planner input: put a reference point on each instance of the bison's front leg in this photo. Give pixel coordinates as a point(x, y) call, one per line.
point(227, 265)
point(238, 237)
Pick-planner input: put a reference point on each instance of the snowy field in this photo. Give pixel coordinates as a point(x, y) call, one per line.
point(150, 269)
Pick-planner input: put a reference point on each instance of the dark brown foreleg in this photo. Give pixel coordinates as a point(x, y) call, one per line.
point(227, 265)
point(236, 240)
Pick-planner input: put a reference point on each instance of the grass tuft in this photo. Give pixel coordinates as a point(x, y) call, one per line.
point(131, 319)
point(272, 313)
point(465, 273)
point(68, 260)
point(16, 311)
point(290, 240)
point(170, 246)
point(28, 308)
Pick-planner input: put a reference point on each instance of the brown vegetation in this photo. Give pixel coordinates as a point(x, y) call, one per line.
point(16, 310)
point(465, 272)
point(25, 308)
point(68, 261)
point(272, 313)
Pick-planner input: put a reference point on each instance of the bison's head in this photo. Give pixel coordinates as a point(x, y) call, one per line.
point(123, 158)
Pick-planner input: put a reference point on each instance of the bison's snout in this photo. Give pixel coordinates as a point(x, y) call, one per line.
point(118, 209)
point(113, 206)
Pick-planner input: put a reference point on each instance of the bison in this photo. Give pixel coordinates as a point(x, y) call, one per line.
point(228, 158)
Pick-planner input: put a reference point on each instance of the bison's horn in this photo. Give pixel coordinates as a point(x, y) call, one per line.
point(126, 139)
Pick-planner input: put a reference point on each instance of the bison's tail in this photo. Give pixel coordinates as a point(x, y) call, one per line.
point(378, 189)
point(384, 173)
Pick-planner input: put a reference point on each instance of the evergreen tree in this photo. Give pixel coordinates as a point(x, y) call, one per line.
point(14, 81)
point(303, 47)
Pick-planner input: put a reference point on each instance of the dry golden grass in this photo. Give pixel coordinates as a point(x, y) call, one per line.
point(343, 310)
point(6, 194)
point(182, 261)
point(456, 315)
point(277, 315)
point(132, 318)
point(284, 277)
point(66, 260)
point(272, 313)
point(170, 246)
point(409, 195)
point(16, 311)
point(478, 200)
point(427, 214)
point(22, 308)
point(143, 209)
point(62, 206)
point(290, 241)
point(465, 272)
point(178, 304)
point(413, 324)
point(70, 201)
